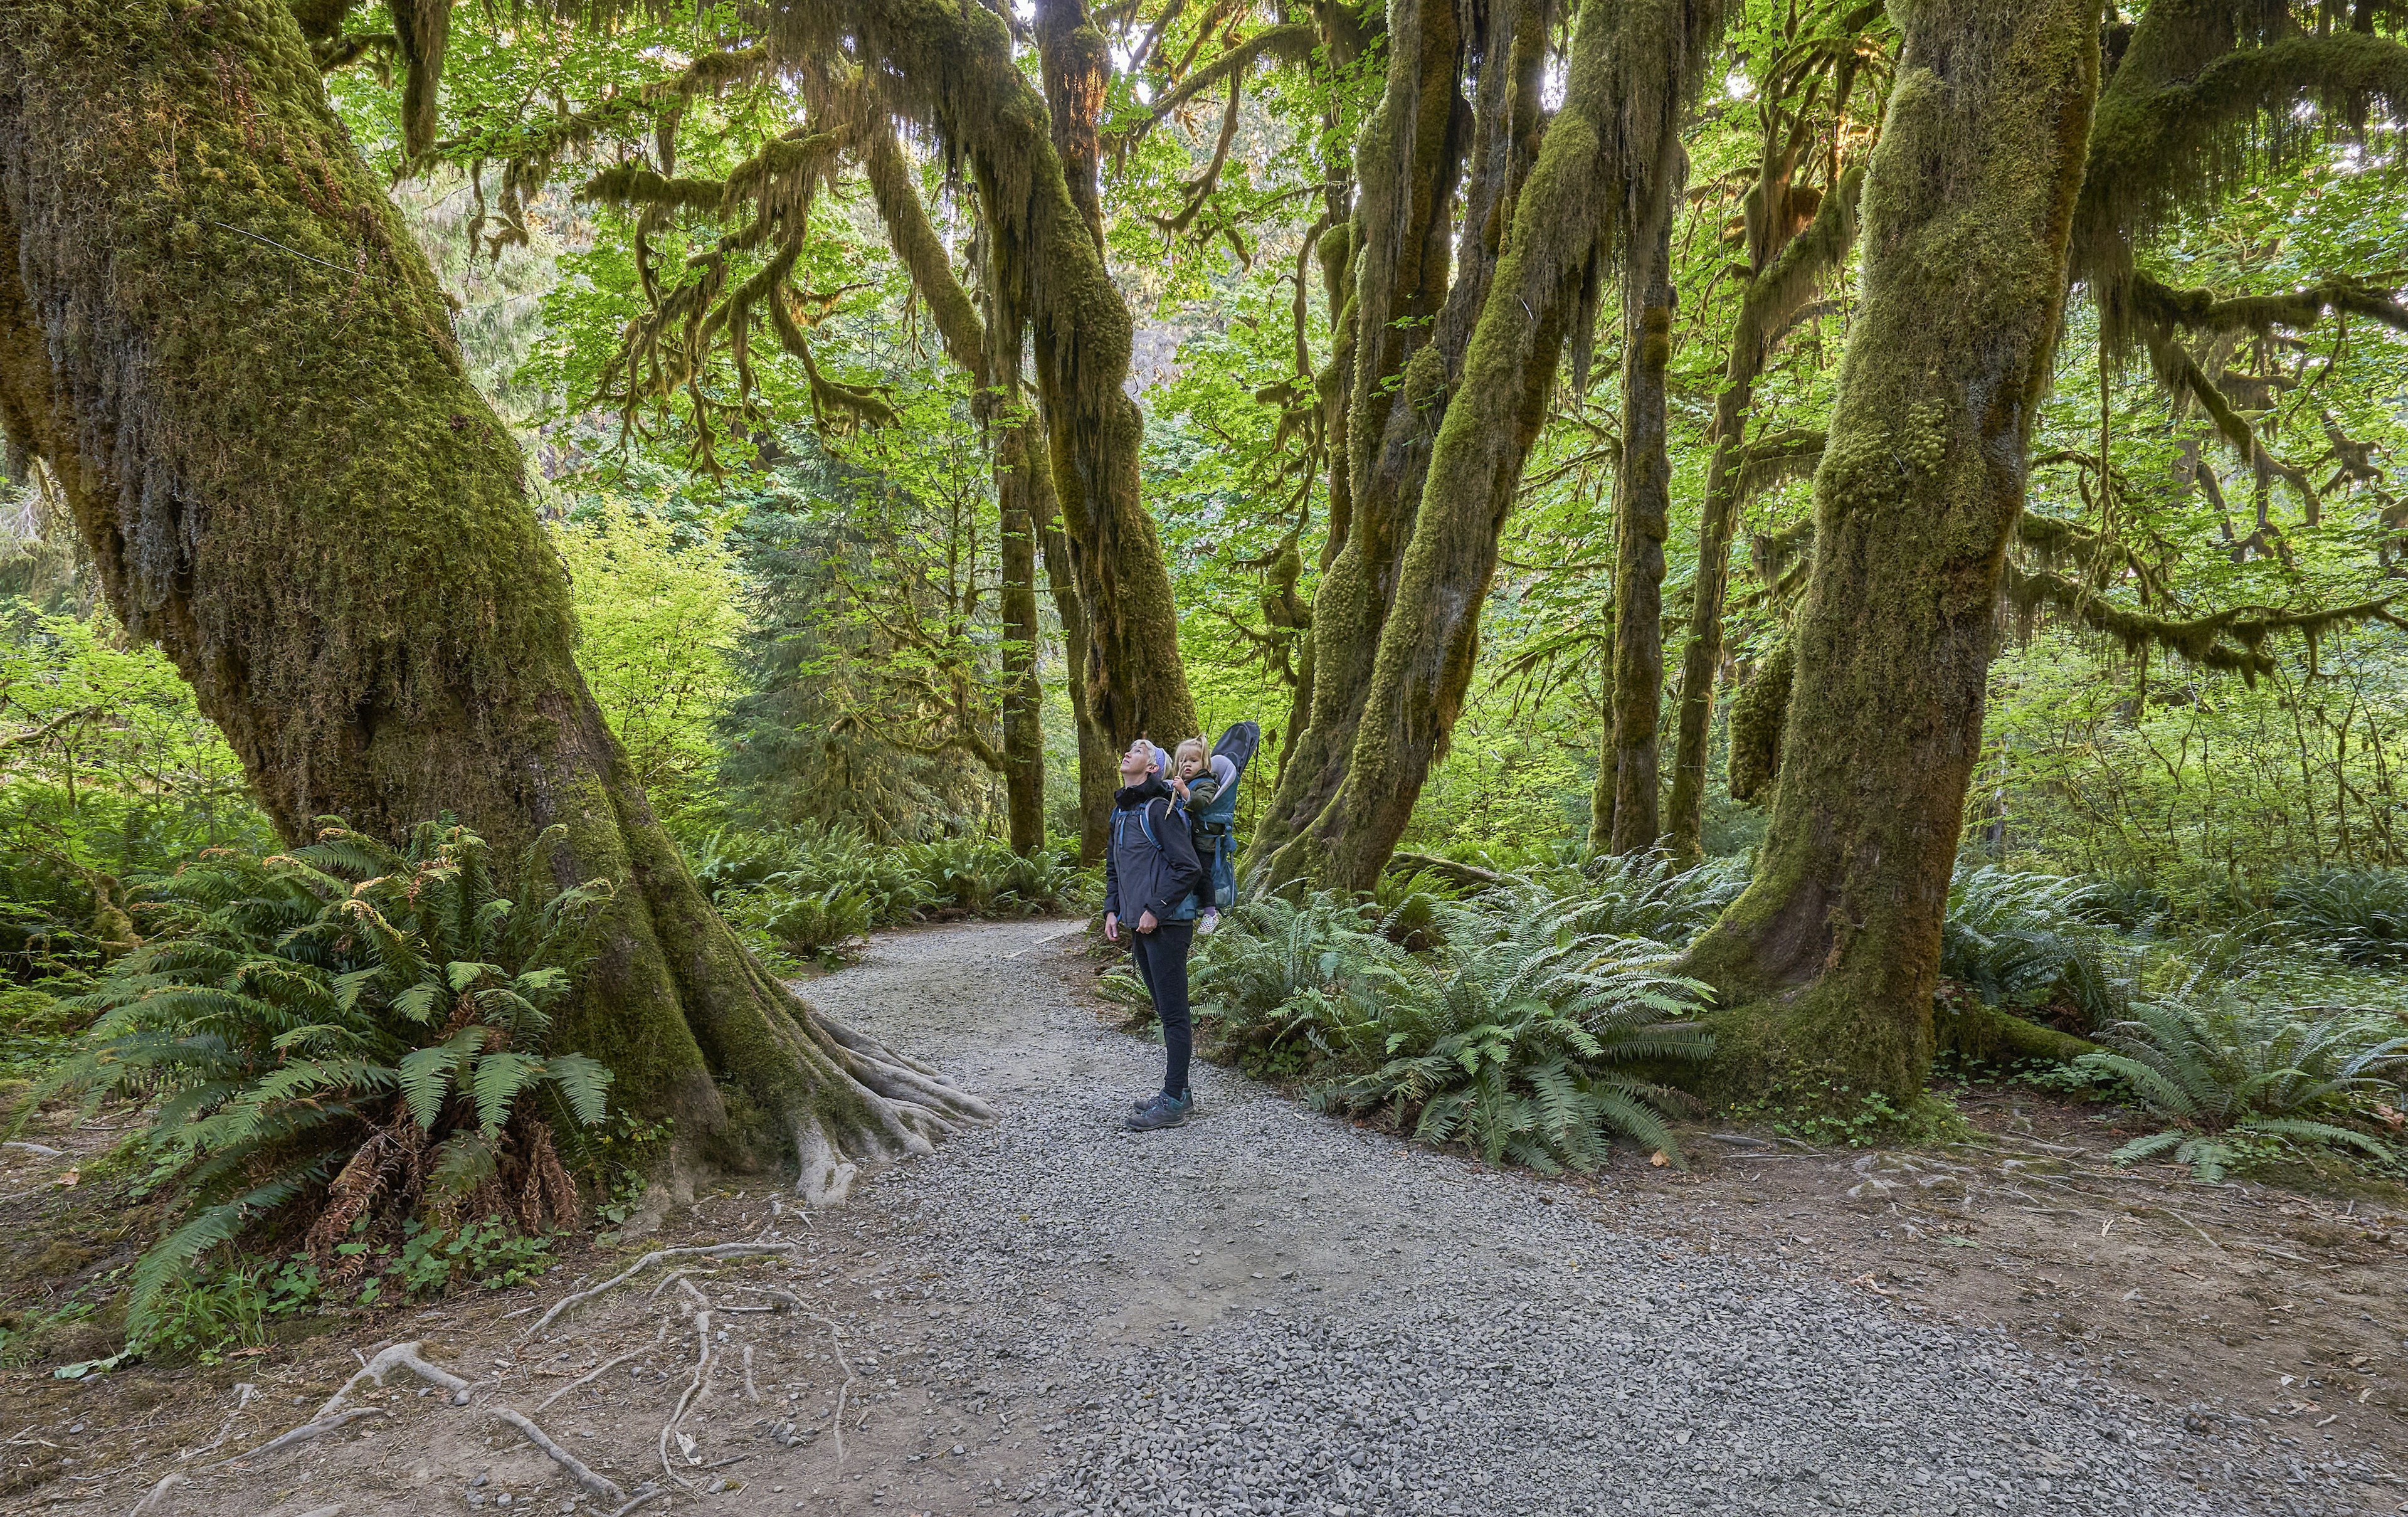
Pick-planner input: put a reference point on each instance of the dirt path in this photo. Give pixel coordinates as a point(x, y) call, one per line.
point(1265, 1311)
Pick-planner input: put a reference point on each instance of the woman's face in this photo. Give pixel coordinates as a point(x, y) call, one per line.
point(1138, 762)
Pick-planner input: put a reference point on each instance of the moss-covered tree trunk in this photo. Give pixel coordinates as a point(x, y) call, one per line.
point(1023, 728)
point(1632, 68)
point(1827, 965)
point(1645, 479)
point(950, 64)
point(1785, 278)
point(1398, 249)
point(218, 332)
point(989, 351)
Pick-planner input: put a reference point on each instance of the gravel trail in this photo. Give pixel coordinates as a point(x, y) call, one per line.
point(1271, 1311)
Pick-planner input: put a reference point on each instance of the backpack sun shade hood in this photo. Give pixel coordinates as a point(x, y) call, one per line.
point(1238, 745)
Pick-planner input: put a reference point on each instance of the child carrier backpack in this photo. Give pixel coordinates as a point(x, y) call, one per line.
point(1218, 820)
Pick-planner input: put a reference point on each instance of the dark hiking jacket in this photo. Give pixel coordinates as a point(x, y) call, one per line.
point(1152, 865)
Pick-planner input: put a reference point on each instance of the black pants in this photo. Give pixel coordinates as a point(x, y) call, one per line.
point(1162, 963)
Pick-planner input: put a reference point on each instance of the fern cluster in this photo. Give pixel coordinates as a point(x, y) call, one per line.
point(1522, 1030)
point(2221, 1070)
point(340, 1036)
point(2359, 915)
point(813, 889)
point(2028, 941)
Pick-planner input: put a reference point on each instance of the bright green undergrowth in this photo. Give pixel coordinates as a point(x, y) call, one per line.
point(1537, 1019)
point(1531, 1022)
point(349, 1049)
point(810, 893)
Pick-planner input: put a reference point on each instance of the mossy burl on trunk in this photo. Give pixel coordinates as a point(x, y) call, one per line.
point(217, 329)
point(1827, 965)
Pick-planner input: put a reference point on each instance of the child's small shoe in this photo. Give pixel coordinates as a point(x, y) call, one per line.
point(1212, 919)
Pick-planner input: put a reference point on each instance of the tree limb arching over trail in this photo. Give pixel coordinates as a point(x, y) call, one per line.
point(1827, 965)
point(217, 331)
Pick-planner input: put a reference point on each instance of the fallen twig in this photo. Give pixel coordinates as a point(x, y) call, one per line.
point(715, 1251)
point(590, 1375)
point(40, 1150)
point(751, 1391)
point(315, 1427)
point(599, 1484)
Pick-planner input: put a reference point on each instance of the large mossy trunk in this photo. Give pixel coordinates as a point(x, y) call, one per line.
point(1397, 252)
point(238, 364)
point(1826, 966)
point(1632, 69)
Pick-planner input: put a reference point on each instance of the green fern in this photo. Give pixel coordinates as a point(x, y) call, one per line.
point(1520, 1034)
point(2220, 1069)
point(326, 1029)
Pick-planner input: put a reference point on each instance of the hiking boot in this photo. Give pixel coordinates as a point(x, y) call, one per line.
point(1144, 1101)
point(1162, 1111)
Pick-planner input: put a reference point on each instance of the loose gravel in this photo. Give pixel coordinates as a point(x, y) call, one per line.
point(1269, 1312)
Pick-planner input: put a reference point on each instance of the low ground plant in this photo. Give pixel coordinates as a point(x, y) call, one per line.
point(810, 893)
point(1517, 1031)
point(345, 1042)
point(2237, 1082)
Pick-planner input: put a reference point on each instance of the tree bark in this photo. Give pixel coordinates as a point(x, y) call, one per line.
point(1409, 161)
point(949, 63)
point(1024, 495)
point(1024, 727)
point(1645, 516)
point(218, 332)
point(1632, 69)
point(1073, 58)
point(1826, 966)
point(1781, 285)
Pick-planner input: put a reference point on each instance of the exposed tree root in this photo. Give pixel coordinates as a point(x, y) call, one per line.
point(645, 1493)
point(899, 1108)
point(160, 1500)
point(316, 1427)
point(243, 1393)
point(600, 1485)
point(397, 1356)
point(693, 1390)
point(591, 1376)
point(714, 1251)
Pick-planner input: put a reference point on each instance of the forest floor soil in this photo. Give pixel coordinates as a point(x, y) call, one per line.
point(1270, 1310)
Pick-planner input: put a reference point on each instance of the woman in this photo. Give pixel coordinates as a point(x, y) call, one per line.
point(1152, 868)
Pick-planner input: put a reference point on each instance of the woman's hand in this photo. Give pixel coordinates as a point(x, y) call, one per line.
point(1145, 922)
